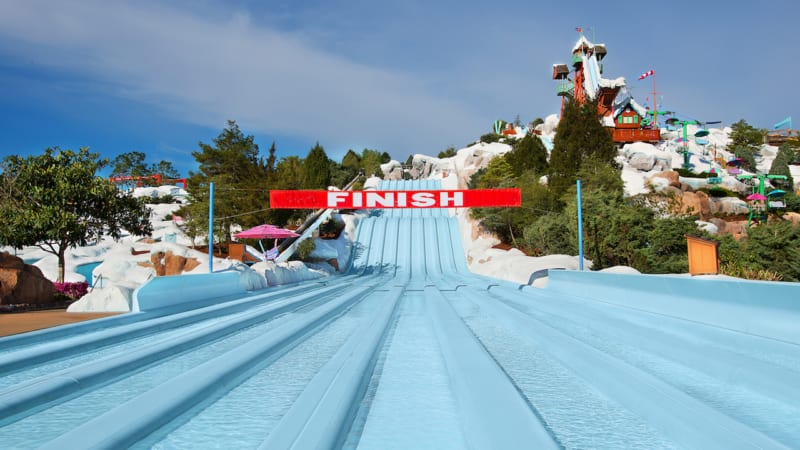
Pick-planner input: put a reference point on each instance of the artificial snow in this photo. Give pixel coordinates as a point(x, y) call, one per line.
point(122, 263)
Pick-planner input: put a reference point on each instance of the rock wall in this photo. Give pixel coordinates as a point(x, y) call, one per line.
point(22, 283)
point(167, 263)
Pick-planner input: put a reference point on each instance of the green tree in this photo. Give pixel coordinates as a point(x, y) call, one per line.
point(448, 153)
point(775, 246)
point(666, 250)
point(488, 138)
point(290, 173)
point(500, 221)
point(526, 154)
point(746, 143)
point(289, 176)
point(130, 164)
point(579, 136)
point(551, 234)
point(239, 175)
point(351, 161)
point(344, 172)
point(56, 201)
point(746, 135)
point(780, 166)
point(316, 169)
point(165, 169)
point(271, 160)
point(498, 173)
point(371, 161)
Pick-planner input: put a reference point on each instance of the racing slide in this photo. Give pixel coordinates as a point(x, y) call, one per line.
point(408, 349)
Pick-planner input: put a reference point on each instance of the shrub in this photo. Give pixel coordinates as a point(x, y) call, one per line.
point(718, 192)
point(489, 138)
point(739, 270)
point(687, 173)
point(305, 247)
point(71, 290)
point(792, 202)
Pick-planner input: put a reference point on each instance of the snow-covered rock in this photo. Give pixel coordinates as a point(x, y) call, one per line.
point(116, 298)
point(642, 161)
point(392, 170)
point(732, 184)
point(728, 205)
point(708, 227)
point(620, 269)
point(288, 272)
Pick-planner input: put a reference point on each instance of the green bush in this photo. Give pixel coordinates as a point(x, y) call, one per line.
point(490, 137)
point(792, 201)
point(305, 247)
point(739, 270)
point(687, 173)
point(718, 192)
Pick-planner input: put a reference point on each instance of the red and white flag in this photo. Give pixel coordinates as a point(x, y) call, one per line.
point(647, 74)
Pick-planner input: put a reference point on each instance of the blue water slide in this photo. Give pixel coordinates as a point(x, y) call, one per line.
point(377, 357)
point(592, 71)
point(362, 245)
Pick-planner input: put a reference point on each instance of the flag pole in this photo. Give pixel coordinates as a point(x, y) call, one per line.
point(580, 226)
point(655, 102)
point(211, 227)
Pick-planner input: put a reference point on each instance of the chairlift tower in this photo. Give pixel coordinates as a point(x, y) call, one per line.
point(759, 208)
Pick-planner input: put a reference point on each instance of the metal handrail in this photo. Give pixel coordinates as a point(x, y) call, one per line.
point(95, 281)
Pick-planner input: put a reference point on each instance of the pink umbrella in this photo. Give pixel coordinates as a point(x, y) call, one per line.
point(756, 197)
point(266, 231)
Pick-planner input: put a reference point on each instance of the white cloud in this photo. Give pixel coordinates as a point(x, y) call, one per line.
point(205, 69)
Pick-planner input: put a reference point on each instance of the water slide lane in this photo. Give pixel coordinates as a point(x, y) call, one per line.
point(30, 392)
point(377, 246)
point(402, 258)
point(202, 383)
point(433, 264)
point(751, 380)
point(412, 402)
point(255, 409)
point(330, 401)
point(491, 418)
point(361, 247)
point(602, 363)
point(388, 261)
point(417, 254)
point(92, 342)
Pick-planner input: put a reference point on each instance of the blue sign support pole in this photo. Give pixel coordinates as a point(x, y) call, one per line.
point(211, 227)
point(580, 228)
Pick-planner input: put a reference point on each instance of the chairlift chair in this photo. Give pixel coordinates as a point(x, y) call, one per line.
point(775, 199)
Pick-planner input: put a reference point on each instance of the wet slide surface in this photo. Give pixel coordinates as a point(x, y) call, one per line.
point(407, 349)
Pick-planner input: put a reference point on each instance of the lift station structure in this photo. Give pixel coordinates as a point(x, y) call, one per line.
point(626, 119)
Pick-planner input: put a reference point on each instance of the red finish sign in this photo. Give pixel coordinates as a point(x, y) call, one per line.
point(471, 198)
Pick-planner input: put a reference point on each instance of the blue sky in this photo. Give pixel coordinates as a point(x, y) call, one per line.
point(406, 77)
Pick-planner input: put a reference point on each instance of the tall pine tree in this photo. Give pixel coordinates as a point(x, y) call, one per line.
point(528, 153)
point(316, 169)
point(580, 137)
point(239, 175)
